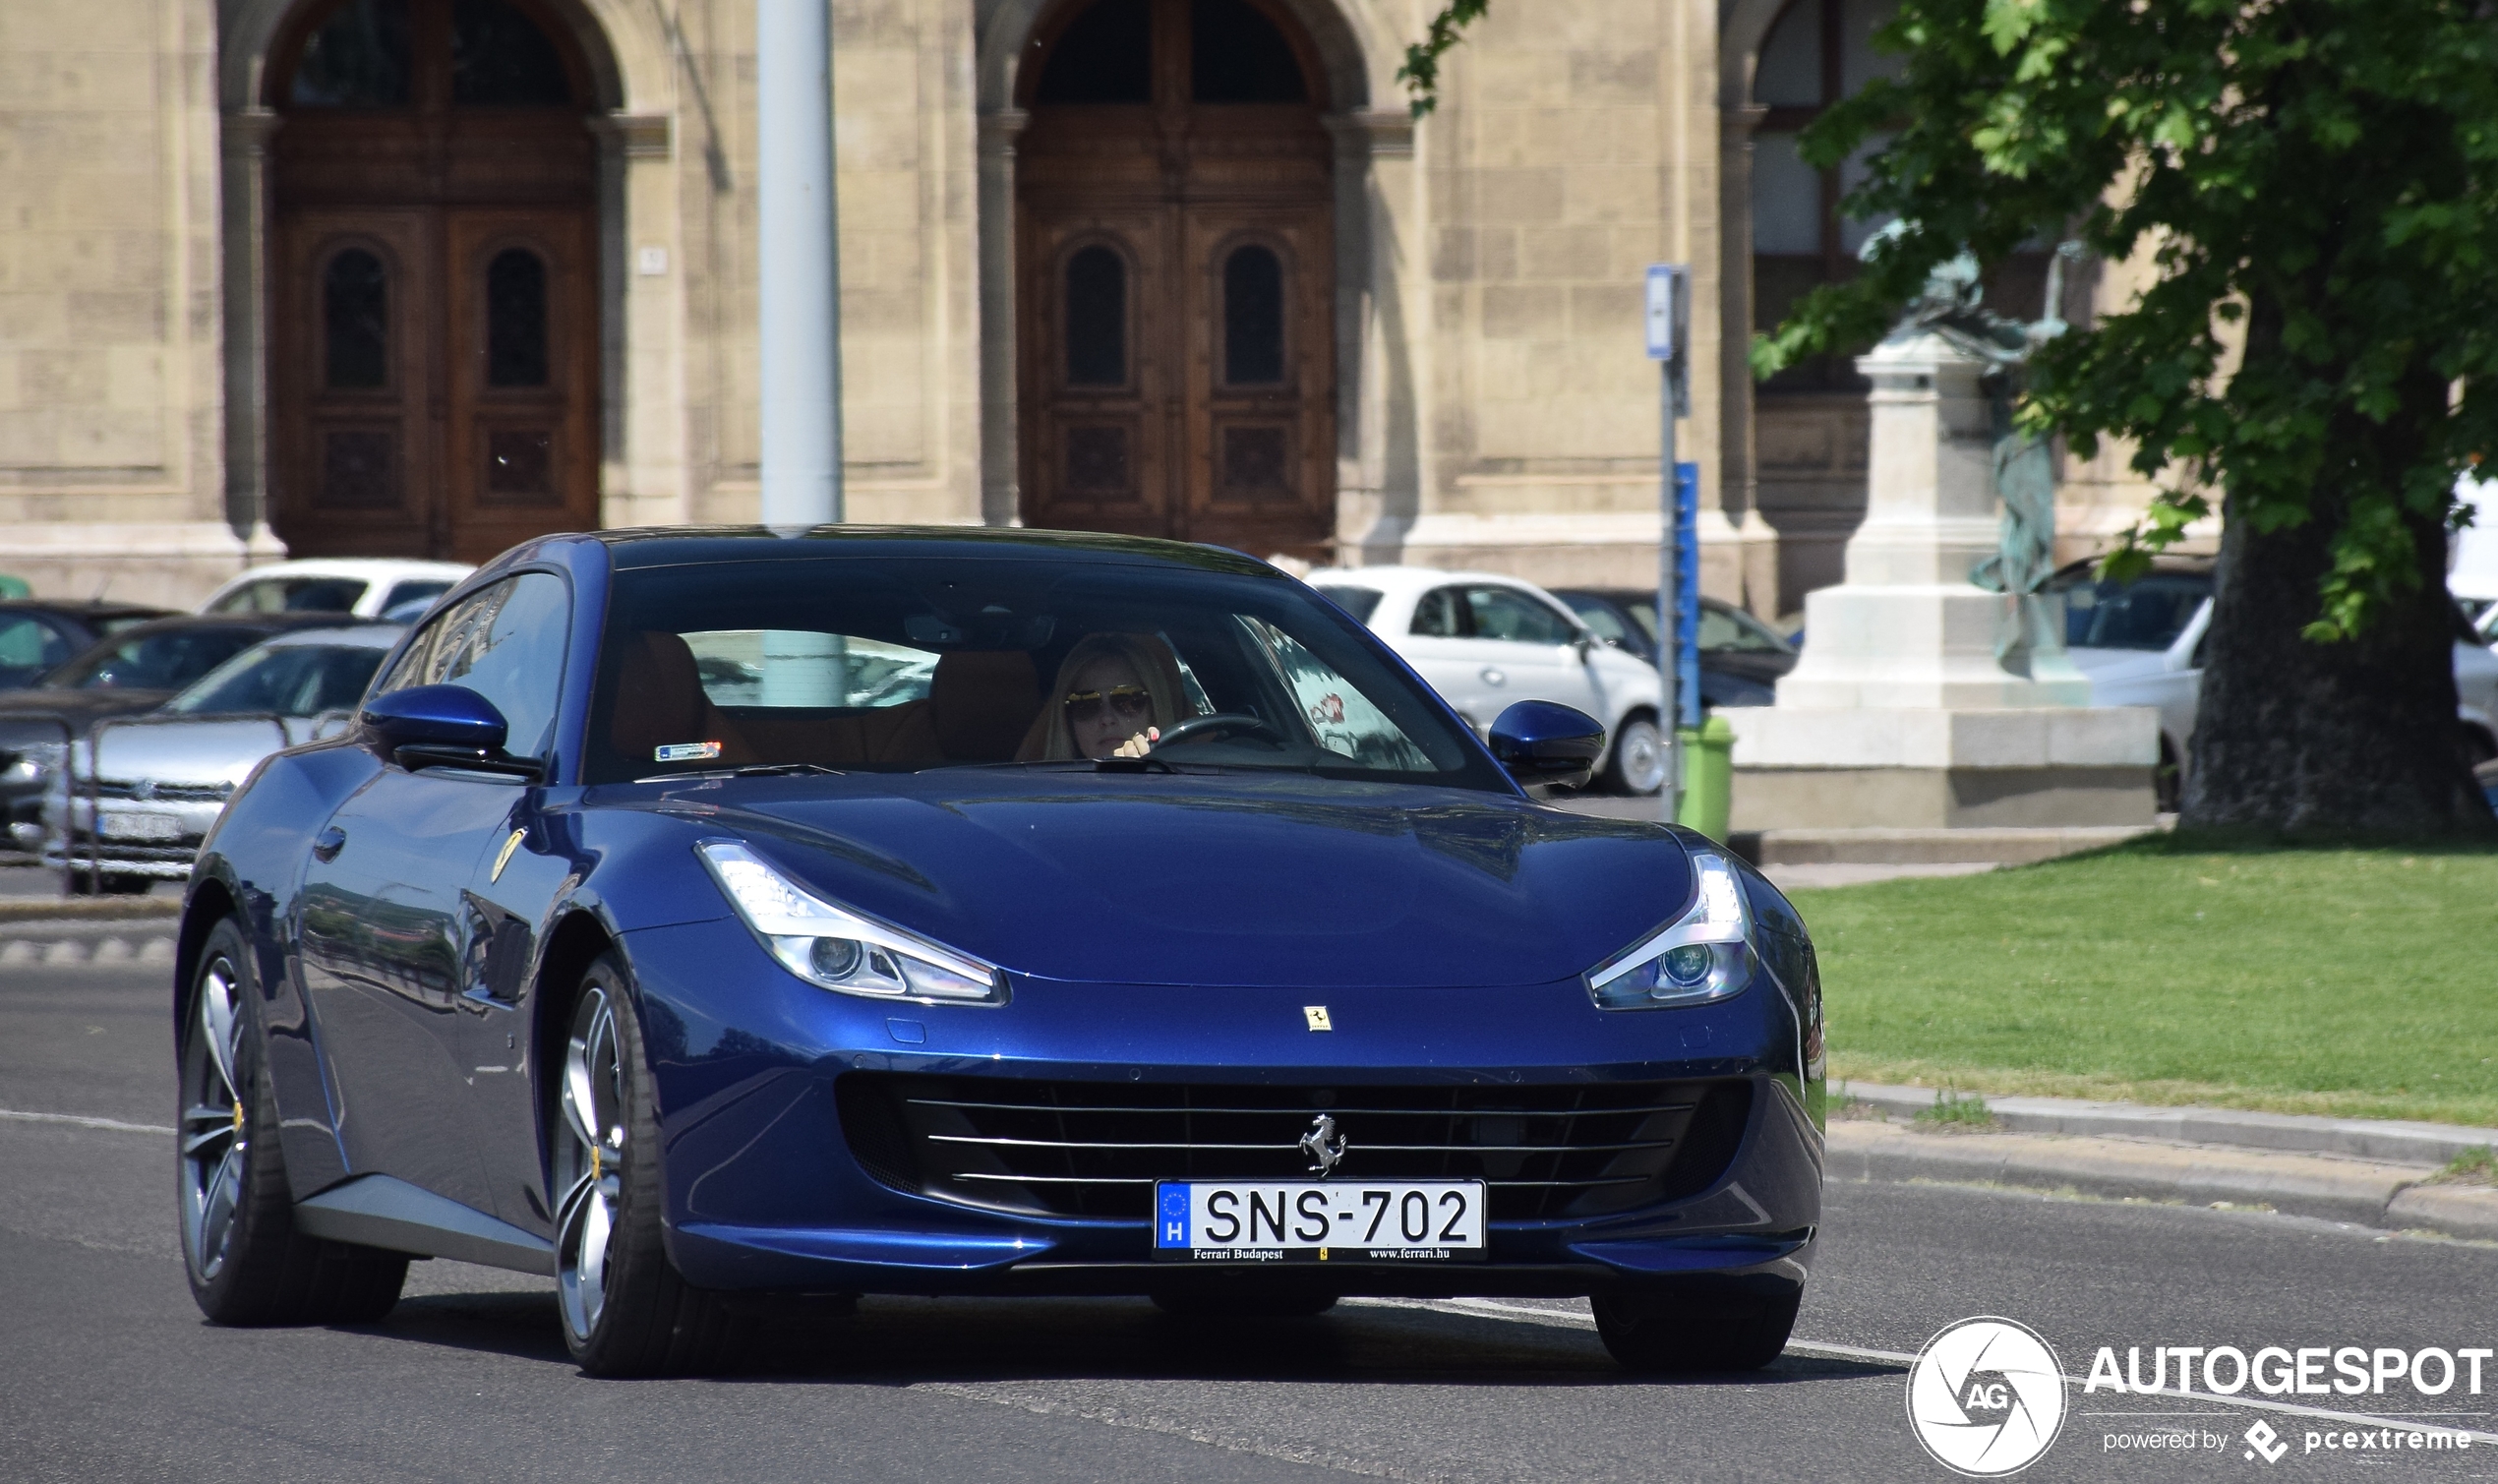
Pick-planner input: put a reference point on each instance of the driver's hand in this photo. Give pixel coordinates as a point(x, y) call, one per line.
point(1139, 745)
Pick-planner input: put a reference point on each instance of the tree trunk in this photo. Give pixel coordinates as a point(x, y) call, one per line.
point(2357, 736)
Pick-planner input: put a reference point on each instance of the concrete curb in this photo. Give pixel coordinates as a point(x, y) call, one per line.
point(2366, 1193)
point(87, 908)
point(2386, 1140)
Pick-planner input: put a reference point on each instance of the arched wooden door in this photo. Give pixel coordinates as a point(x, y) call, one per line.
point(434, 356)
point(1176, 277)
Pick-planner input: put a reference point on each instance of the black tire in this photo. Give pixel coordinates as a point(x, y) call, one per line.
point(1211, 1305)
point(627, 1310)
point(1700, 1329)
point(247, 1263)
point(1636, 768)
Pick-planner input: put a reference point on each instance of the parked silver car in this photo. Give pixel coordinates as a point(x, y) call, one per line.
point(143, 791)
point(2141, 644)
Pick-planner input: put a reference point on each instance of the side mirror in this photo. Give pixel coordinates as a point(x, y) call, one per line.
point(430, 726)
point(1545, 743)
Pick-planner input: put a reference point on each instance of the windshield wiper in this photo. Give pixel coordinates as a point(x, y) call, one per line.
point(749, 770)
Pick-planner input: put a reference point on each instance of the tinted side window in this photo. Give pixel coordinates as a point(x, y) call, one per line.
point(506, 643)
point(1505, 613)
point(1437, 616)
point(1361, 602)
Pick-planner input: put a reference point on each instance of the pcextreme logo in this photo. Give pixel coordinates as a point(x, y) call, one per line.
point(1986, 1396)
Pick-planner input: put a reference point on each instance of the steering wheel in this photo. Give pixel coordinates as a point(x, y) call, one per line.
point(1202, 728)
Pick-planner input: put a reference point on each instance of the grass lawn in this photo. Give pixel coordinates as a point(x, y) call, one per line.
point(2349, 982)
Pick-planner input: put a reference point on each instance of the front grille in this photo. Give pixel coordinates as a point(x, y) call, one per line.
point(169, 793)
point(1094, 1148)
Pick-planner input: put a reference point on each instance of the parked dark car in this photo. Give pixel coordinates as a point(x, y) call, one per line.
point(128, 674)
point(1741, 657)
point(702, 989)
point(39, 635)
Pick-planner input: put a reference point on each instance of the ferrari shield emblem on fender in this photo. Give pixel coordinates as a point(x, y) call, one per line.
point(1316, 1015)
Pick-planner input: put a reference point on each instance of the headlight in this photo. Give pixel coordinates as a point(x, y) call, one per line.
point(1701, 956)
point(25, 769)
point(839, 949)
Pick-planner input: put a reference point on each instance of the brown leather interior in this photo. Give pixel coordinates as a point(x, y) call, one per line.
point(981, 701)
point(660, 700)
point(978, 704)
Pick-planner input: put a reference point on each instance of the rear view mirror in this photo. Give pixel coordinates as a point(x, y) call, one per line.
point(1545, 743)
point(433, 725)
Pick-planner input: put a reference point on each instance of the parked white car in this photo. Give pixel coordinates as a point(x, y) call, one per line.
point(367, 587)
point(1484, 641)
point(2141, 644)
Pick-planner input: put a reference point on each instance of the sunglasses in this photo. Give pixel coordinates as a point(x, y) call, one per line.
point(1129, 701)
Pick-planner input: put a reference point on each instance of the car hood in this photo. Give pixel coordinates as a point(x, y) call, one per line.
point(1225, 880)
point(207, 750)
point(2111, 665)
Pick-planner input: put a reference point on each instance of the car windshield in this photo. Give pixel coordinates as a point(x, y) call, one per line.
point(909, 665)
point(166, 660)
point(293, 595)
point(296, 679)
point(2146, 614)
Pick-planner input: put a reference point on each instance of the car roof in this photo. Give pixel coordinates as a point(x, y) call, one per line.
point(267, 624)
point(672, 546)
point(84, 608)
point(370, 568)
point(1406, 578)
point(338, 636)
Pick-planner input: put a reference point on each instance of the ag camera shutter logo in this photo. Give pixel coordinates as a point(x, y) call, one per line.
point(1986, 1396)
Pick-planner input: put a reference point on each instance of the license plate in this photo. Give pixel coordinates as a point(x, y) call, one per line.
point(119, 826)
point(1318, 1220)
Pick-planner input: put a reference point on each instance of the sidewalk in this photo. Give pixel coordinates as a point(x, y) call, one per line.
point(2363, 1172)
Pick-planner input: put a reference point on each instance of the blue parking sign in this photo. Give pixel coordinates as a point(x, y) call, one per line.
point(1171, 1228)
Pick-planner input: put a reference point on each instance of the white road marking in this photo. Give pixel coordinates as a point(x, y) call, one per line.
point(77, 1121)
point(1493, 1309)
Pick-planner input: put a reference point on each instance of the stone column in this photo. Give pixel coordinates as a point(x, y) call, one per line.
point(1756, 540)
point(1899, 714)
point(1002, 457)
point(245, 311)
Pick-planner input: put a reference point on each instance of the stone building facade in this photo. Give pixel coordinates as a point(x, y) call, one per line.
point(424, 277)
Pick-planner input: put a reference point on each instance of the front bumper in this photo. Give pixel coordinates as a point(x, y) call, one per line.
point(766, 1192)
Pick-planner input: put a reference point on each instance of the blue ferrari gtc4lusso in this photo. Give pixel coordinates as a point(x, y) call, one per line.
point(706, 919)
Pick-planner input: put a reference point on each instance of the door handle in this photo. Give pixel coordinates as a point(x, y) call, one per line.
point(328, 842)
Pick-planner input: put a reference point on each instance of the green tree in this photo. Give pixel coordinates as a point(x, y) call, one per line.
point(2315, 180)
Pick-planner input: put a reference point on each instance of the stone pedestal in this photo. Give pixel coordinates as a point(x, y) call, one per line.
point(1900, 715)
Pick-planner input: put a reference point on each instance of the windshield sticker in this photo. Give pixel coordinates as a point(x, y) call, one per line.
point(685, 752)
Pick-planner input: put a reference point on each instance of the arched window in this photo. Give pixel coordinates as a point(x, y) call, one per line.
point(355, 322)
point(1253, 317)
point(1105, 57)
point(516, 318)
point(357, 59)
point(1237, 56)
point(1096, 328)
point(500, 58)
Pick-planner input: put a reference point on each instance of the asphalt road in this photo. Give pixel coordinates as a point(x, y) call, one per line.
point(107, 1372)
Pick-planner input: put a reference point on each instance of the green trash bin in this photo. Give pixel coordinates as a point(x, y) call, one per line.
point(13, 588)
point(1708, 778)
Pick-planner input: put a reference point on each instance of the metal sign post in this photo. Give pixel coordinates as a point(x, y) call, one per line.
point(1668, 319)
point(799, 266)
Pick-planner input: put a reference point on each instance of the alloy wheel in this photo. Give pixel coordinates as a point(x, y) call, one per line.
point(215, 1138)
point(589, 1160)
point(1642, 763)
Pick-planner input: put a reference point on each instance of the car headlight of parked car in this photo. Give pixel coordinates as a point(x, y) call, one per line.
point(1701, 956)
point(835, 948)
point(25, 768)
